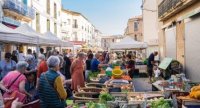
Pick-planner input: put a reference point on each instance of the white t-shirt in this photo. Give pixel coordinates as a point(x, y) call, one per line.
point(21, 57)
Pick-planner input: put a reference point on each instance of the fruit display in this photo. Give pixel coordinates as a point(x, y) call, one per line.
point(124, 77)
point(195, 92)
point(136, 97)
point(126, 88)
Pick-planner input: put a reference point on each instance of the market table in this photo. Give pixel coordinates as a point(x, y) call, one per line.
point(157, 87)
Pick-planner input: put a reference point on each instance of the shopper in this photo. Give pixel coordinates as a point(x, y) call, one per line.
point(150, 64)
point(14, 56)
point(95, 63)
point(51, 91)
point(76, 70)
point(88, 65)
point(42, 67)
point(130, 65)
point(7, 65)
point(14, 81)
point(30, 58)
point(66, 67)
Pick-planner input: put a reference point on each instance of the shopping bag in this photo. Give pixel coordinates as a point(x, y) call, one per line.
point(15, 94)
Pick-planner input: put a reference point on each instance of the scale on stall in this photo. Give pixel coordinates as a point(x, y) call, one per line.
point(168, 66)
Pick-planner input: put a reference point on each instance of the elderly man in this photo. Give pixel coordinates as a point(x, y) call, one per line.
point(51, 91)
point(150, 64)
point(95, 63)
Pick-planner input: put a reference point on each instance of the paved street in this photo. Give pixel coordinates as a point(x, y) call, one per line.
point(142, 85)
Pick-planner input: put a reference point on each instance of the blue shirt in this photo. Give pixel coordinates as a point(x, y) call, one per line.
point(6, 67)
point(94, 65)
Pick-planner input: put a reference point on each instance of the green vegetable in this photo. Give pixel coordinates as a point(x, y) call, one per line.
point(93, 74)
point(104, 97)
point(161, 103)
point(95, 105)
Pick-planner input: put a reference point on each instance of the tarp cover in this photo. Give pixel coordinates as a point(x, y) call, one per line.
point(128, 43)
point(10, 35)
point(28, 31)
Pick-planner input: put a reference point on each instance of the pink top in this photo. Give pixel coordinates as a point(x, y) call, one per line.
point(10, 77)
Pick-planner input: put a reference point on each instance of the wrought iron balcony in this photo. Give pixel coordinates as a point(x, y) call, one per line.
point(19, 8)
point(167, 5)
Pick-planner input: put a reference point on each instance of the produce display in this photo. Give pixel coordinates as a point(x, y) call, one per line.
point(93, 76)
point(137, 97)
point(104, 97)
point(195, 92)
point(124, 77)
point(161, 103)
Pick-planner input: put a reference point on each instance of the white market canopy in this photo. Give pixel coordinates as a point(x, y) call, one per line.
point(52, 39)
point(10, 35)
point(128, 43)
point(29, 32)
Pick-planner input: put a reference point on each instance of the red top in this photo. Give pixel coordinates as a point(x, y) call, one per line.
point(42, 68)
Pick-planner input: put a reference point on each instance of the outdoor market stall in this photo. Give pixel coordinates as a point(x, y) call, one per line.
point(10, 35)
point(128, 43)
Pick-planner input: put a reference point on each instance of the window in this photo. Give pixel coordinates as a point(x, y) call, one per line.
point(75, 36)
point(135, 37)
point(64, 23)
point(113, 40)
point(135, 26)
point(48, 6)
point(37, 22)
point(55, 28)
point(75, 25)
point(55, 10)
point(69, 21)
point(48, 25)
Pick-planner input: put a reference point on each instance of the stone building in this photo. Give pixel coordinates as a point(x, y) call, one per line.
point(135, 28)
point(179, 33)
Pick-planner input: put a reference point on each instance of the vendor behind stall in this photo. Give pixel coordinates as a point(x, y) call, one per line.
point(130, 65)
point(150, 64)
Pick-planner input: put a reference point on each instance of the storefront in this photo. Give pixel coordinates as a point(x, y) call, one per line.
point(192, 49)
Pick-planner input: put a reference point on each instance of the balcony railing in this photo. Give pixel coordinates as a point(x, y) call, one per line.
point(19, 8)
point(166, 5)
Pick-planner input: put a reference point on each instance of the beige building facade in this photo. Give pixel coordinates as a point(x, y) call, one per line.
point(150, 25)
point(179, 33)
point(135, 28)
point(107, 41)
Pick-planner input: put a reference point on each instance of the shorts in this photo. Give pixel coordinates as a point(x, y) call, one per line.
point(150, 71)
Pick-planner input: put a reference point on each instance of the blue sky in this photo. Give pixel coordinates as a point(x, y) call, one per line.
point(109, 16)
